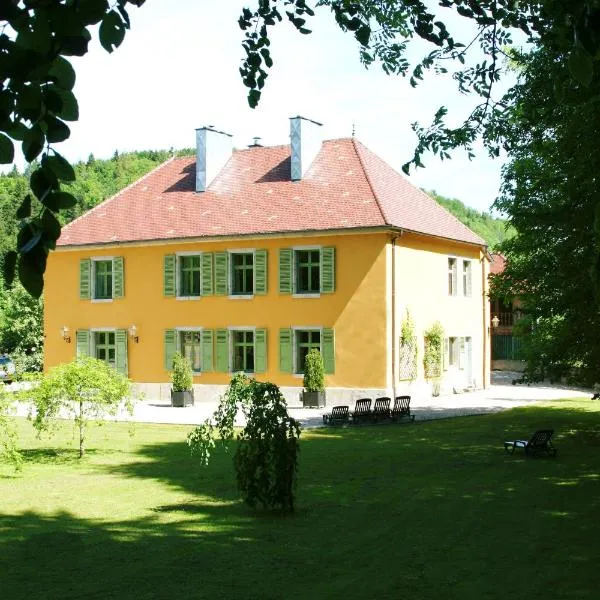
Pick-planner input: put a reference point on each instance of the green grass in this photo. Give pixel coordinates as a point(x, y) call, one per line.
point(430, 510)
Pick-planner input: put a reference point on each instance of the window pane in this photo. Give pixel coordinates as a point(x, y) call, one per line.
point(243, 351)
point(242, 279)
point(305, 341)
point(103, 279)
point(189, 275)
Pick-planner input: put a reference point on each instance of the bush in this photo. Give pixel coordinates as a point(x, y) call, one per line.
point(266, 459)
point(181, 376)
point(434, 344)
point(314, 372)
point(8, 431)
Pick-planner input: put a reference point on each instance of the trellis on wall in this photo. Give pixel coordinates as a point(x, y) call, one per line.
point(408, 350)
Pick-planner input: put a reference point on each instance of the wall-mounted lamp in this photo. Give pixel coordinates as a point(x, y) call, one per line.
point(64, 332)
point(133, 334)
point(495, 321)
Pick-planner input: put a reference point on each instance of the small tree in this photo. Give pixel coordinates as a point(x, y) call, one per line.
point(84, 389)
point(8, 431)
point(314, 372)
point(434, 347)
point(181, 375)
point(266, 458)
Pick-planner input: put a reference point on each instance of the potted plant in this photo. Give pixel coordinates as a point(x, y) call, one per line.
point(313, 394)
point(182, 391)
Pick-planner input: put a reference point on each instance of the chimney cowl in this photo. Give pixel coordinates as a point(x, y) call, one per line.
point(305, 143)
point(213, 150)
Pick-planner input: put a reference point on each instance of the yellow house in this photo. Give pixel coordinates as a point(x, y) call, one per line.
point(243, 260)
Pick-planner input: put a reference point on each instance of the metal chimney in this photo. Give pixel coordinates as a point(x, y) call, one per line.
point(305, 143)
point(213, 150)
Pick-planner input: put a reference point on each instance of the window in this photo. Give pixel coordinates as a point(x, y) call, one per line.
point(454, 344)
point(105, 347)
point(452, 271)
point(308, 267)
point(189, 275)
point(242, 273)
point(190, 345)
point(306, 341)
point(242, 345)
point(103, 279)
point(466, 276)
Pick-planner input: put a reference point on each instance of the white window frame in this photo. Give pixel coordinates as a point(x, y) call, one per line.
point(230, 273)
point(232, 329)
point(179, 330)
point(465, 287)
point(294, 277)
point(93, 261)
point(295, 329)
point(454, 293)
point(178, 274)
point(93, 331)
point(460, 291)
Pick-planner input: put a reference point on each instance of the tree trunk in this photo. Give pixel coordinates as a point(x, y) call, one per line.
point(81, 428)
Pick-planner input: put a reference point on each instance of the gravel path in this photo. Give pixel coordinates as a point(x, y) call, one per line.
point(501, 395)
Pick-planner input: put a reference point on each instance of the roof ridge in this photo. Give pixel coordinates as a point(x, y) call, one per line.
point(121, 191)
point(362, 165)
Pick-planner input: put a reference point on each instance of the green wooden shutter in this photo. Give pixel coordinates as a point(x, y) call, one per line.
point(260, 272)
point(285, 350)
point(260, 350)
point(207, 350)
point(170, 348)
point(285, 270)
point(207, 275)
point(222, 342)
point(446, 356)
point(85, 276)
point(327, 270)
point(221, 274)
point(82, 338)
point(121, 353)
point(328, 350)
point(118, 277)
point(169, 274)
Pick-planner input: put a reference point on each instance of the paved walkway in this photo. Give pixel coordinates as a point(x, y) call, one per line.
point(501, 395)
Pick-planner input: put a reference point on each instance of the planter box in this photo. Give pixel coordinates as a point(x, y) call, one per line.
point(313, 399)
point(182, 398)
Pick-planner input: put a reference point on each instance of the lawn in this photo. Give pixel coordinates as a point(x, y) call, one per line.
point(430, 510)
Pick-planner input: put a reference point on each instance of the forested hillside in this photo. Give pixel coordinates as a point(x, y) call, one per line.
point(21, 333)
point(492, 229)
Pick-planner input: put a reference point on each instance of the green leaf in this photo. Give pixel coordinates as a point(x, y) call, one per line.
point(363, 35)
point(59, 200)
point(9, 267)
point(112, 31)
point(61, 167)
point(57, 130)
point(7, 150)
point(17, 131)
point(581, 66)
point(253, 98)
point(24, 210)
point(33, 143)
point(43, 181)
point(69, 109)
point(62, 73)
point(92, 11)
point(50, 224)
point(30, 275)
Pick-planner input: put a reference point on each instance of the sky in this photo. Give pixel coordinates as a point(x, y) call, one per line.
point(177, 70)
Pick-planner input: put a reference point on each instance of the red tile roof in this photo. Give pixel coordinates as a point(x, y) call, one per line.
point(498, 263)
point(347, 186)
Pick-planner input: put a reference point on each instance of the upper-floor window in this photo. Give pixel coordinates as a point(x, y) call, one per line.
point(242, 273)
point(463, 286)
point(101, 278)
point(189, 275)
point(307, 271)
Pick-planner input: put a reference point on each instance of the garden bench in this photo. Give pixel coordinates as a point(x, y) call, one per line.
point(381, 409)
point(362, 411)
point(338, 414)
point(401, 409)
point(538, 444)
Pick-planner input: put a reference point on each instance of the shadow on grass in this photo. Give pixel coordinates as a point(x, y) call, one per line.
point(433, 506)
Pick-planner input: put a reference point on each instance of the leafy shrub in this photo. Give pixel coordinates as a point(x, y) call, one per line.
point(85, 389)
point(434, 347)
point(408, 349)
point(314, 372)
point(8, 431)
point(181, 376)
point(266, 459)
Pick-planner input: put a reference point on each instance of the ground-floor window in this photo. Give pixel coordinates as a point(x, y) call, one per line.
point(242, 348)
point(190, 344)
point(105, 347)
point(457, 352)
point(305, 341)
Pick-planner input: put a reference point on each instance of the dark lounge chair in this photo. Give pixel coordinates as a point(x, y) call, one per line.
point(337, 416)
point(401, 409)
point(362, 411)
point(381, 409)
point(538, 444)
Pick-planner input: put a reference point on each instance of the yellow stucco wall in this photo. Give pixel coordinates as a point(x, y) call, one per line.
point(356, 311)
point(421, 270)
